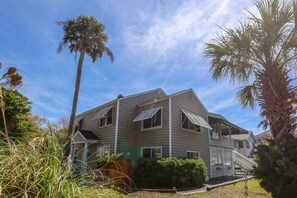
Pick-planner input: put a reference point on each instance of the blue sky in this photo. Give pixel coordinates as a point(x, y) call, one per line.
point(155, 43)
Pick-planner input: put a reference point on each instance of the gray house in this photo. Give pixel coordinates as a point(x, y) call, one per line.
point(153, 124)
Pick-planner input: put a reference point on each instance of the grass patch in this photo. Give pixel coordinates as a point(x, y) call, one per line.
point(229, 191)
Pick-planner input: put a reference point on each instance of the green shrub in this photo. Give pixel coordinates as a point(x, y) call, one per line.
point(108, 158)
point(169, 173)
point(277, 167)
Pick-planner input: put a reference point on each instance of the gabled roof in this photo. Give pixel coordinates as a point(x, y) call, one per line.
point(174, 95)
point(160, 90)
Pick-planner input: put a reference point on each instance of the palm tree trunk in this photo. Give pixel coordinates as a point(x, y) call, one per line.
point(3, 113)
point(75, 98)
point(276, 96)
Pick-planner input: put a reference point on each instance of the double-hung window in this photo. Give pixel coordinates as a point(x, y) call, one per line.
point(151, 152)
point(193, 154)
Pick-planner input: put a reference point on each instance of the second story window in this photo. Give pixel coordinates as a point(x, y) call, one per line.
point(104, 116)
point(107, 119)
point(193, 154)
point(150, 119)
point(187, 124)
point(155, 121)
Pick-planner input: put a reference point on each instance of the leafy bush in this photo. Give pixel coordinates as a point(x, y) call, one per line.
point(108, 158)
point(277, 167)
point(170, 172)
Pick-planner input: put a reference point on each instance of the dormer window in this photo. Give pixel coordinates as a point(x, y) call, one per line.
point(104, 116)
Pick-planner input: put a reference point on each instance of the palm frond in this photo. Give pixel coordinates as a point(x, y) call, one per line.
point(247, 95)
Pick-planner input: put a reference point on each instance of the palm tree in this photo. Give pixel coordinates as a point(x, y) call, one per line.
point(10, 79)
point(84, 35)
point(259, 54)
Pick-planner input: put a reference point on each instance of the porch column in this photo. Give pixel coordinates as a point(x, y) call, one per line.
point(84, 158)
point(70, 153)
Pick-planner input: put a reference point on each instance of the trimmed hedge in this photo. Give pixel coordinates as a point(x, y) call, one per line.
point(170, 172)
point(277, 167)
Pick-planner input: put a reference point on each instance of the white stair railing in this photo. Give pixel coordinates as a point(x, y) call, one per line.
point(243, 161)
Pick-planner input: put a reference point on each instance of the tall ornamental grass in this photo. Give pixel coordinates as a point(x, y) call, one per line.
point(36, 169)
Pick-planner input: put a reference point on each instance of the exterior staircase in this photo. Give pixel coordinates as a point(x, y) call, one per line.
point(242, 163)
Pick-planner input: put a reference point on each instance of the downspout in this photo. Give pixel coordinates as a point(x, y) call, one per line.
point(117, 127)
point(209, 148)
point(170, 130)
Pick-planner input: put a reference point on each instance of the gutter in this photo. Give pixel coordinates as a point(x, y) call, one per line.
point(117, 127)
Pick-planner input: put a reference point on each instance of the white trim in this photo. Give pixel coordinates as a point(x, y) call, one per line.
point(150, 147)
point(155, 127)
point(208, 134)
point(116, 128)
point(80, 135)
point(170, 130)
point(84, 160)
point(190, 151)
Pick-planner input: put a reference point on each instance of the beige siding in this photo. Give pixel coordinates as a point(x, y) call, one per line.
point(159, 136)
point(128, 136)
point(106, 134)
point(78, 138)
point(183, 140)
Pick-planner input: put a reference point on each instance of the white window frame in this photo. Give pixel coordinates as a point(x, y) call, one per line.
point(99, 150)
point(155, 127)
point(105, 119)
point(151, 147)
point(185, 129)
point(188, 151)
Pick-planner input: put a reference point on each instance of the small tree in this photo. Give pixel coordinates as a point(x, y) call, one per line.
point(10, 79)
point(277, 167)
point(18, 113)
